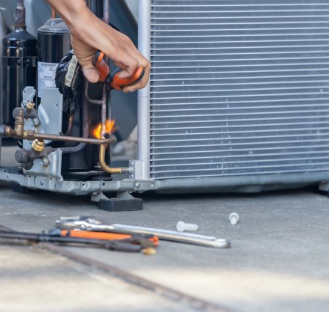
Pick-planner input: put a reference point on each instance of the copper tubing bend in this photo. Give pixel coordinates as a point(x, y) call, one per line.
point(105, 167)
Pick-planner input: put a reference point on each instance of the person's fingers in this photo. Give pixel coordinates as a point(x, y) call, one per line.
point(128, 71)
point(143, 82)
point(127, 58)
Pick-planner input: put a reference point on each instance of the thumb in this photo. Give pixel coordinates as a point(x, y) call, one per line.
point(91, 73)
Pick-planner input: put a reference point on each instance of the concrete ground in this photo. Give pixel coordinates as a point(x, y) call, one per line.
point(278, 260)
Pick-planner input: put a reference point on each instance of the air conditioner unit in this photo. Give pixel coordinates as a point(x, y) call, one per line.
point(238, 97)
point(238, 100)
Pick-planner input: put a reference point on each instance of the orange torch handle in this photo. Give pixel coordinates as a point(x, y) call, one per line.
point(116, 82)
point(119, 83)
point(103, 68)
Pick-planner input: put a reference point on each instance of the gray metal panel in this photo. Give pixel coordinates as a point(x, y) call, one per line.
point(123, 105)
point(239, 88)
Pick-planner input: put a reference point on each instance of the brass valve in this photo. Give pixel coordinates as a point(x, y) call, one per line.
point(19, 123)
point(30, 105)
point(38, 145)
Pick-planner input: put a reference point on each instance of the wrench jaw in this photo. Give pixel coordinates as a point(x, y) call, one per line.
point(85, 223)
point(222, 243)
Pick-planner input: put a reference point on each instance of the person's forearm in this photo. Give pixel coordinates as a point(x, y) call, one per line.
point(69, 10)
point(82, 23)
point(89, 34)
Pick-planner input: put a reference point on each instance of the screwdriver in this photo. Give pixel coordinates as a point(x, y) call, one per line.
point(115, 81)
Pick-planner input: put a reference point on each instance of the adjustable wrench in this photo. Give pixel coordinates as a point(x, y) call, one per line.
point(90, 224)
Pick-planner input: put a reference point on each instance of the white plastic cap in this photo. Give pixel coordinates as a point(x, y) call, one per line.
point(234, 218)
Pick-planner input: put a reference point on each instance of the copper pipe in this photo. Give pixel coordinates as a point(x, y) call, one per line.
point(104, 111)
point(53, 13)
point(105, 167)
point(70, 125)
point(102, 147)
point(63, 138)
point(32, 135)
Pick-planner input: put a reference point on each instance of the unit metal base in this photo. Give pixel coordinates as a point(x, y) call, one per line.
point(123, 201)
point(123, 188)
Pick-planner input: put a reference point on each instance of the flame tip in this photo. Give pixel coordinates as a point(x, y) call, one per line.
point(110, 128)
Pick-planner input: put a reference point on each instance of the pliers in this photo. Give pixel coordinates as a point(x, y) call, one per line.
point(128, 245)
point(110, 241)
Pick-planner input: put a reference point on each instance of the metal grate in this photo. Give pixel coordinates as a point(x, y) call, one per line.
point(239, 87)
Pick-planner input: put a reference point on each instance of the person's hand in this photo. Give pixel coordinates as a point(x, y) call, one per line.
point(89, 34)
point(124, 55)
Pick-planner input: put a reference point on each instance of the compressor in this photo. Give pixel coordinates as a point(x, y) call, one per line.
point(19, 65)
point(61, 124)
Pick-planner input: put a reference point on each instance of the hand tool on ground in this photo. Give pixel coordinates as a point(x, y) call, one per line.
point(114, 80)
point(128, 245)
point(146, 241)
point(175, 236)
point(90, 224)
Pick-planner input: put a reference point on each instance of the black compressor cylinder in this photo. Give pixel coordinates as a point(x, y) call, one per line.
point(19, 66)
point(54, 43)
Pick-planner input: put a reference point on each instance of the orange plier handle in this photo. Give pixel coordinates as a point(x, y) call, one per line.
point(116, 82)
point(103, 235)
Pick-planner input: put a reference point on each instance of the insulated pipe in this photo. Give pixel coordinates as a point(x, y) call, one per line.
point(143, 116)
point(73, 149)
point(53, 13)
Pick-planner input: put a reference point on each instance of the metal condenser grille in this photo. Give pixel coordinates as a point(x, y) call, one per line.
point(239, 87)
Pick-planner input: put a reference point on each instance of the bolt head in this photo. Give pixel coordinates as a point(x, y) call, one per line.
point(45, 162)
point(36, 122)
